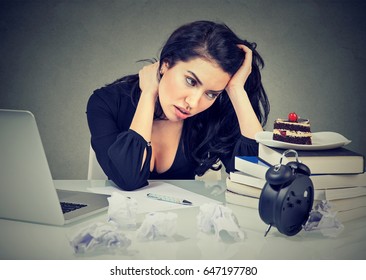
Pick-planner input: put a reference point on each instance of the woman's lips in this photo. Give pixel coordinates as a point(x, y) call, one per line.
point(181, 113)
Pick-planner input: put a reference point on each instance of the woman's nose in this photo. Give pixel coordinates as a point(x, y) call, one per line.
point(193, 99)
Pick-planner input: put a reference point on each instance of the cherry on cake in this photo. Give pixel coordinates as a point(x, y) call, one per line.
point(292, 130)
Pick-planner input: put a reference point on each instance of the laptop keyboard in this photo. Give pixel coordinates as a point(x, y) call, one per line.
point(68, 206)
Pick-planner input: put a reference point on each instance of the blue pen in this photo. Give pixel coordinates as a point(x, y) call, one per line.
point(169, 199)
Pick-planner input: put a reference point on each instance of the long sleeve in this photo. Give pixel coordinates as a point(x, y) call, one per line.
point(118, 149)
point(243, 147)
point(125, 161)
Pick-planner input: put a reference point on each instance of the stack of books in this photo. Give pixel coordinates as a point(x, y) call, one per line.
point(338, 176)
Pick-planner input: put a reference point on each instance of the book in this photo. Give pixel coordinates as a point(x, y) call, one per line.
point(334, 194)
point(339, 193)
point(247, 189)
point(346, 203)
point(352, 214)
point(254, 167)
point(328, 181)
point(242, 188)
point(242, 200)
point(246, 179)
point(344, 213)
point(251, 165)
point(332, 161)
point(245, 184)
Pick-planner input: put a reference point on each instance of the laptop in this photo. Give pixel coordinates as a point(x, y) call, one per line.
point(27, 191)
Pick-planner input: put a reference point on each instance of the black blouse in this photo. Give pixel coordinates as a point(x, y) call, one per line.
point(119, 150)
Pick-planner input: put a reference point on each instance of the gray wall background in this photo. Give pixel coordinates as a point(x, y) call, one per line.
point(53, 54)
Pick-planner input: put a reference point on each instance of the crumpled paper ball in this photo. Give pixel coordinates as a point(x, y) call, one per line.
point(122, 210)
point(324, 220)
point(99, 235)
point(219, 220)
point(157, 225)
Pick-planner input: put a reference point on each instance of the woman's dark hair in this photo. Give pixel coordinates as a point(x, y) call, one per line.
point(213, 133)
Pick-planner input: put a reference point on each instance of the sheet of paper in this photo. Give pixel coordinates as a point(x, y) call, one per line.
point(146, 204)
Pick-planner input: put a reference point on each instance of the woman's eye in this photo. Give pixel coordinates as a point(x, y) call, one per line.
point(191, 81)
point(211, 95)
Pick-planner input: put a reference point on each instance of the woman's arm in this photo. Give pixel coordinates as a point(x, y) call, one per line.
point(119, 137)
point(248, 121)
point(119, 150)
point(144, 115)
point(142, 121)
point(121, 143)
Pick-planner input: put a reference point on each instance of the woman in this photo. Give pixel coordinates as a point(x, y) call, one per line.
point(202, 102)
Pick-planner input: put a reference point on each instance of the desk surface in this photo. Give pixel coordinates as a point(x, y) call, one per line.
point(22, 240)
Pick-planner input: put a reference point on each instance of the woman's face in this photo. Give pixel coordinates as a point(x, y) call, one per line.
point(189, 88)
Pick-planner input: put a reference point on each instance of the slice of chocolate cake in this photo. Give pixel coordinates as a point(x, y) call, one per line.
point(293, 130)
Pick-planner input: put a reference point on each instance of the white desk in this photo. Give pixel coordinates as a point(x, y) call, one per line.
point(21, 240)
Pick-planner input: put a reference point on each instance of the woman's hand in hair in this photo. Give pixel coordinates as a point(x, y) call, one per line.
point(238, 80)
point(248, 121)
point(148, 76)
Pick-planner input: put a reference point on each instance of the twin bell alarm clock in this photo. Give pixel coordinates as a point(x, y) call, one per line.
point(287, 197)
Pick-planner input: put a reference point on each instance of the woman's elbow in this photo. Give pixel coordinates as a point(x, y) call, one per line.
point(129, 184)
